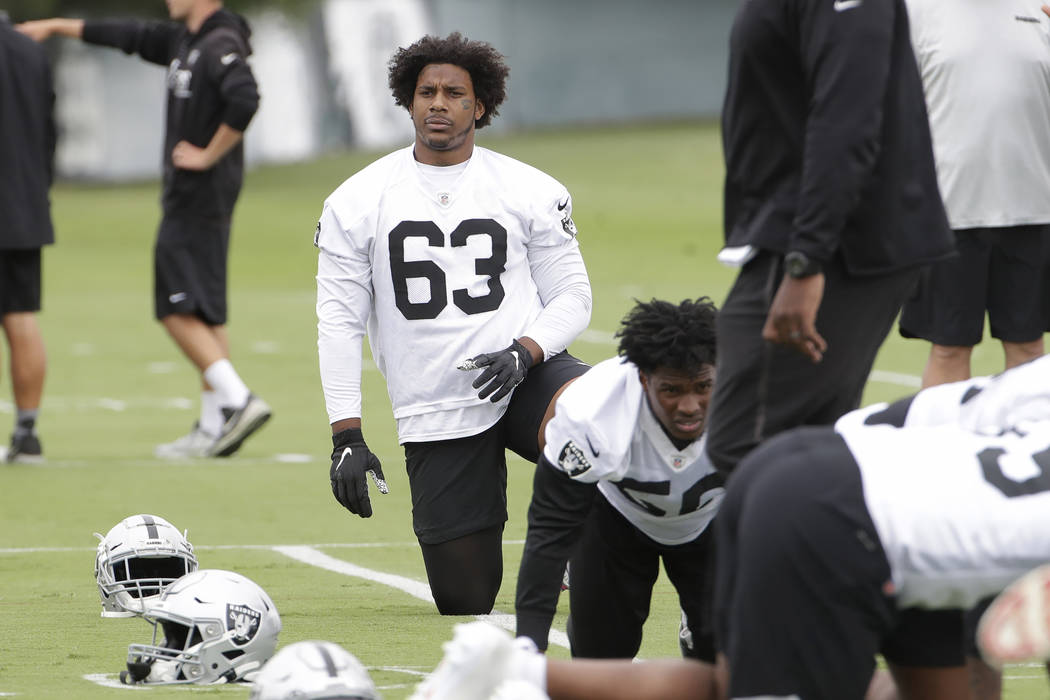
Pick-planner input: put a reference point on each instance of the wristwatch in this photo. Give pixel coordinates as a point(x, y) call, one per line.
point(797, 265)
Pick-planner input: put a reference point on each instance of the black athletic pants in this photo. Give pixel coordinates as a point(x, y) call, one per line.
point(762, 388)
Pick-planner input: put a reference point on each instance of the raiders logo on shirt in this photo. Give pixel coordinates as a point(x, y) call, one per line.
point(572, 460)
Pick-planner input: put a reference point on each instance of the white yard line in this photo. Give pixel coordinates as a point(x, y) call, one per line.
point(319, 545)
point(416, 589)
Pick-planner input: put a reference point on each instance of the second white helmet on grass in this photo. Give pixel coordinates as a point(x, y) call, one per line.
point(136, 560)
point(213, 626)
point(311, 670)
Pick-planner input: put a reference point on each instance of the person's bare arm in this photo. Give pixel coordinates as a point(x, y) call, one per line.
point(189, 157)
point(609, 679)
point(41, 29)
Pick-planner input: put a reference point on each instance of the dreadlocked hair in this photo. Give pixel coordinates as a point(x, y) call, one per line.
point(658, 334)
point(487, 68)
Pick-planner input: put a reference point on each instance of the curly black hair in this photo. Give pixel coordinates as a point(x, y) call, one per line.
point(659, 334)
point(487, 67)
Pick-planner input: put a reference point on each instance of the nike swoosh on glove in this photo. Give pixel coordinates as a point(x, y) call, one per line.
point(351, 461)
point(504, 370)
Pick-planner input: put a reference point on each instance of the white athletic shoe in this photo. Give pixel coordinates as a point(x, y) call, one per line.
point(474, 664)
point(196, 443)
point(240, 423)
point(1016, 626)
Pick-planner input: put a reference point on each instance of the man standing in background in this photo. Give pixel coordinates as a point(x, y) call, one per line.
point(212, 96)
point(985, 70)
point(27, 150)
point(831, 208)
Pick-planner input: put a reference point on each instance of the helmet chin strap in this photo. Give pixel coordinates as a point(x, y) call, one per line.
point(136, 673)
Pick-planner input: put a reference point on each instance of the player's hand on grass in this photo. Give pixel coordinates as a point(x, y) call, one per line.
point(503, 370)
point(351, 461)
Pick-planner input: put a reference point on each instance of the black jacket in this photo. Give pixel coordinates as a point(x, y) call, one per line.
point(826, 137)
point(209, 83)
point(27, 141)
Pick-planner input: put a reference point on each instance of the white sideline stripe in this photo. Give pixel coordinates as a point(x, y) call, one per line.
point(333, 545)
point(416, 589)
point(884, 377)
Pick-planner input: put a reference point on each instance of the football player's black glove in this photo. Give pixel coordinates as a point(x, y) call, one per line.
point(351, 460)
point(504, 370)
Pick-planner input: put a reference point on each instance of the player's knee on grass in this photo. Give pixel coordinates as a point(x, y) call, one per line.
point(465, 573)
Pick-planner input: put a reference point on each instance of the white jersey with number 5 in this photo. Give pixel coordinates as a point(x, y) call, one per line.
point(604, 432)
point(961, 503)
point(438, 271)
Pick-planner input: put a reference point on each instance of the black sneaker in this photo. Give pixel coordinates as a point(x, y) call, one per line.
point(25, 448)
point(240, 423)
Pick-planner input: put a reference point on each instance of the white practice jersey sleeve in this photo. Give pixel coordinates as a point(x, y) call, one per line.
point(604, 432)
point(436, 273)
point(960, 514)
point(981, 404)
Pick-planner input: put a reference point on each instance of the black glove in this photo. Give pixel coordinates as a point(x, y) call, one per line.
point(351, 460)
point(504, 370)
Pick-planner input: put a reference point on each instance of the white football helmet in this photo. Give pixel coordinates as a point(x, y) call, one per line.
point(313, 671)
point(136, 559)
point(216, 626)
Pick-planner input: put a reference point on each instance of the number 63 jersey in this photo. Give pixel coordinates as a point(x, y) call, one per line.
point(959, 487)
point(439, 269)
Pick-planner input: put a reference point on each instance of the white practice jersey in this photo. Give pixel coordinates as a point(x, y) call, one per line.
point(604, 431)
point(439, 271)
point(986, 72)
point(961, 495)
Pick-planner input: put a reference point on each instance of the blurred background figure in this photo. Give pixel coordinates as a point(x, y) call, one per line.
point(212, 97)
point(27, 150)
point(986, 74)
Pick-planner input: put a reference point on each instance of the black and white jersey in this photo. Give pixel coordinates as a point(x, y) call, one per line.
point(604, 432)
point(986, 442)
point(438, 271)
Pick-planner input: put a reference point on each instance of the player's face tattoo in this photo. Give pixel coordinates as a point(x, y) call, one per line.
point(679, 400)
point(444, 133)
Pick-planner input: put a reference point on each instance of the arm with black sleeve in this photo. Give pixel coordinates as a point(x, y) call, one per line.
point(152, 41)
point(846, 56)
point(556, 517)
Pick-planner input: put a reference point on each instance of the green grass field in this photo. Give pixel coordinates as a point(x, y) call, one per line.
point(647, 203)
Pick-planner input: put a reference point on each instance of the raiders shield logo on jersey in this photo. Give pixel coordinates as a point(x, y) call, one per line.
point(244, 622)
point(572, 460)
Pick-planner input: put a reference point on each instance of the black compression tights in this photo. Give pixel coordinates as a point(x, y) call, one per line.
point(465, 573)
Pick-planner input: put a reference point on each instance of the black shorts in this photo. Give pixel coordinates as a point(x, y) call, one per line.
point(189, 268)
point(459, 486)
point(802, 588)
point(19, 280)
point(998, 270)
point(611, 586)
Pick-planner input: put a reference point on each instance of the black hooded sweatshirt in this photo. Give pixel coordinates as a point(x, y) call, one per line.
point(209, 83)
point(27, 141)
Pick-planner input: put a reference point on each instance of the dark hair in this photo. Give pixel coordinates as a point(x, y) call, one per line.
point(658, 334)
point(487, 68)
